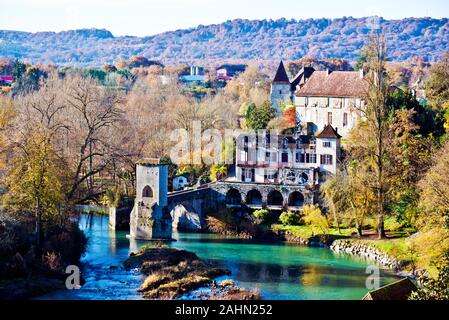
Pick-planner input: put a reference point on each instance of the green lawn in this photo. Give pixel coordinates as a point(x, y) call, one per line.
point(398, 248)
point(310, 231)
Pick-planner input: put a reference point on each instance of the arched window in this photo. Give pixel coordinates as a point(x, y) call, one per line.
point(233, 197)
point(275, 198)
point(147, 192)
point(296, 199)
point(254, 198)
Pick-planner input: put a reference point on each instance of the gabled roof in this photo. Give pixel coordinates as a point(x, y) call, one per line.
point(281, 76)
point(329, 133)
point(334, 84)
point(399, 290)
point(302, 76)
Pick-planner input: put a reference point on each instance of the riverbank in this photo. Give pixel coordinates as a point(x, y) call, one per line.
point(172, 273)
point(393, 253)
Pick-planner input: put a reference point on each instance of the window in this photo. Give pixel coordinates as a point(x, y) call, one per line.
point(310, 158)
point(327, 144)
point(147, 192)
point(329, 118)
point(284, 157)
point(267, 156)
point(274, 157)
point(248, 175)
point(300, 157)
point(345, 119)
point(270, 174)
point(327, 159)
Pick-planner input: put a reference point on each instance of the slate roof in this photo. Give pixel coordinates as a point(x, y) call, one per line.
point(334, 84)
point(302, 76)
point(399, 290)
point(329, 133)
point(281, 76)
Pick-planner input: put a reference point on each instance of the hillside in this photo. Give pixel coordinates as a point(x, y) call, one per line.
point(233, 40)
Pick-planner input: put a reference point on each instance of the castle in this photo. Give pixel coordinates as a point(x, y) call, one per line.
point(328, 106)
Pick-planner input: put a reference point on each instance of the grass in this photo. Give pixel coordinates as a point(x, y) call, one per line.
point(307, 231)
point(398, 248)
point(171, 272)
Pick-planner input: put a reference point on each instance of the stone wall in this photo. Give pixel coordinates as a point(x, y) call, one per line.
point(362, 249)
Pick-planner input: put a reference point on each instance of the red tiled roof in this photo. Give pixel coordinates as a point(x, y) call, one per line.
point(335, 84)
point(7, 78)
point(329, 133)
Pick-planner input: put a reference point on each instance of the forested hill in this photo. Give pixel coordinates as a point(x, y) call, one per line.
point(233, 40)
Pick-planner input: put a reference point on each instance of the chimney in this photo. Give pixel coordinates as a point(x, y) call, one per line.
point(328, 72)
point(361, 73)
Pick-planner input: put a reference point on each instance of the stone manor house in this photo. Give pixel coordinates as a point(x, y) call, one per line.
point(328, 106)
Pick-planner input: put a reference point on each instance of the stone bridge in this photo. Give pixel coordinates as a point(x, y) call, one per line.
point(188, 208)
point(269, 196)
point(155, 212)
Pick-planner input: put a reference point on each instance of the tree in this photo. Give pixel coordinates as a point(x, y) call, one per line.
point(432, 241)
point(437, 88)
point(258, 117)
point(376, 113)
point(261, 215)
point(94, 112)
point(7, 114)
point(437, 85)
point(37, 181)
point(218, 172)
point(314, 217)
point(289, 218)
point(434, 289)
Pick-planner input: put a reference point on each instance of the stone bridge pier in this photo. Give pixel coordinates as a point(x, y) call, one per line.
point(150, 218)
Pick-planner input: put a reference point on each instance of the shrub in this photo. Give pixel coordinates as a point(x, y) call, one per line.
point(261, 215)
point(289, 218)
point(314, 218)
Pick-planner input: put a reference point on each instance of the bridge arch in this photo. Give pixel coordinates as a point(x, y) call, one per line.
point(254, 198)
point(185, 218)
point(233, 197)
point(275, 198)
point(296, 199)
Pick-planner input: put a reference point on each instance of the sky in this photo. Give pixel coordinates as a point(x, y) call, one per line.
point(148, 17)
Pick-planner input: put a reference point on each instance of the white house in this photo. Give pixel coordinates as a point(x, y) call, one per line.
point(180, 182)
point(287, 159)
point(322, 97)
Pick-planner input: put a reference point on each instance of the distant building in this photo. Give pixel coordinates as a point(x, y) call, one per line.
point(197, 74)
point(180, 182)
point(6, 81)
point(228, 71)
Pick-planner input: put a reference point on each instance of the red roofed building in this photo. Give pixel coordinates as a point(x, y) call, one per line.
point(332, 98)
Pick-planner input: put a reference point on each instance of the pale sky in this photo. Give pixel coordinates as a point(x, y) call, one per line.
point(148, 17)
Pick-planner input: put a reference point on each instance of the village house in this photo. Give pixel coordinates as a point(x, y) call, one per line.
point(327, 106)
point(228, 71)
point(288, 159)
point(322, 97)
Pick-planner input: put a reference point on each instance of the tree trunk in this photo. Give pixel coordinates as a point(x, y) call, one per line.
point(381, 227)
point(359, 230)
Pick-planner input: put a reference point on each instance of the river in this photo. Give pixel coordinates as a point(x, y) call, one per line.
point(278, 271)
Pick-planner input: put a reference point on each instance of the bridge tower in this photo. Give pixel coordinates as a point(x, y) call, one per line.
point(150, 218)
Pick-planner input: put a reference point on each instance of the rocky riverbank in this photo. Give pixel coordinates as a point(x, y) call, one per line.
point(364, 250)
point(173, 273)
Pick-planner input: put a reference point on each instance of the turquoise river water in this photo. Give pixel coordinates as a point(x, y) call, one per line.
point(278, 271)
